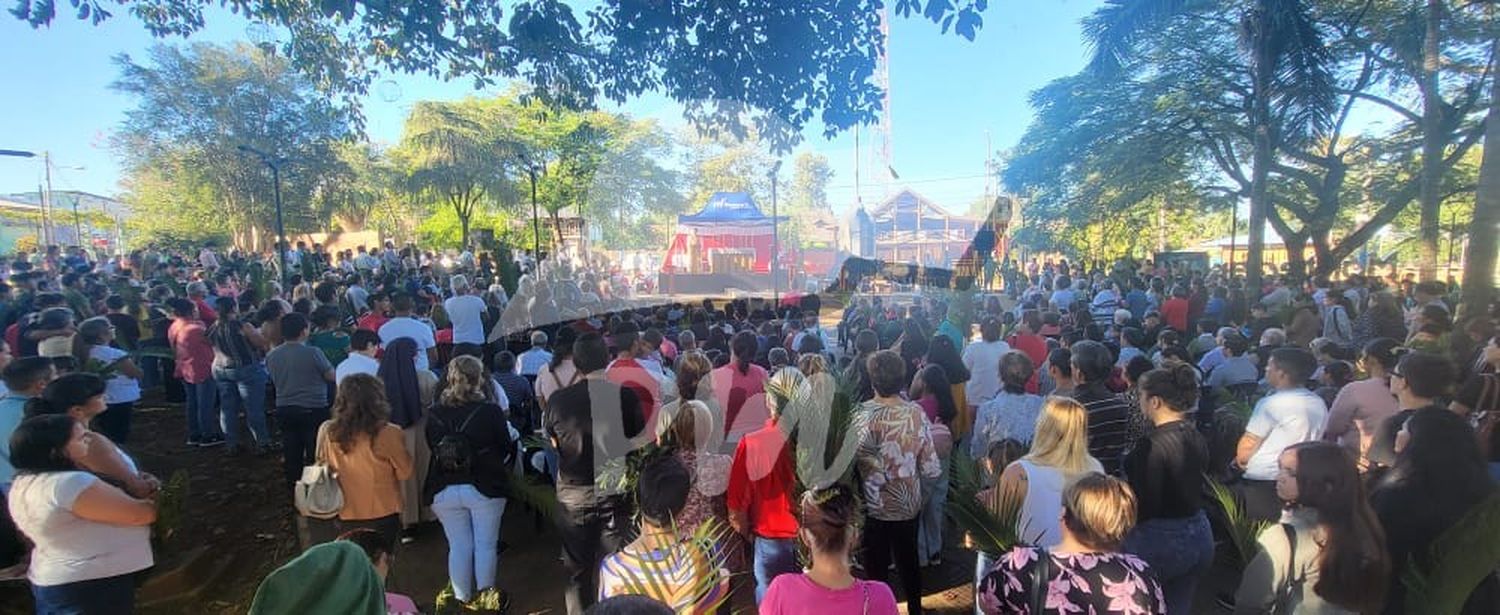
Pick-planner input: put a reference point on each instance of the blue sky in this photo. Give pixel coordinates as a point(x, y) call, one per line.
point(947, 95)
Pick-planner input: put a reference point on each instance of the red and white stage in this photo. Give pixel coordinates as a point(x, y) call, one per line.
point(728, 244)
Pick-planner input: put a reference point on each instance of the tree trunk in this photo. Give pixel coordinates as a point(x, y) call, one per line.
point(1432, 144)
point(557, 235)
point(1479, 266)
point(1263, 155)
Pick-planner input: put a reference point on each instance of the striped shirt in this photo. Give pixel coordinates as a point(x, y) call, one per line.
point(683, 577)
point(231, 349)
point(1109, 424)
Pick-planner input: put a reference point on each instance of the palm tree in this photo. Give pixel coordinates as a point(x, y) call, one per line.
point(1289, 68)
point(457, 154)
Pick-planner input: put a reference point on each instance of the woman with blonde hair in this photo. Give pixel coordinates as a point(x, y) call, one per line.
point(690, 430)
point(1059, 454)
point(368, 455)
point(471, 444)
point(1085, 572)
point(812, 363)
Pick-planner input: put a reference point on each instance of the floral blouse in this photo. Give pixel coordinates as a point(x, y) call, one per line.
point(710, 480)
point(1084, 583)
point(895, 446)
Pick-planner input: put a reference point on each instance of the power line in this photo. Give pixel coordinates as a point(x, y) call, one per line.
point(916, 181)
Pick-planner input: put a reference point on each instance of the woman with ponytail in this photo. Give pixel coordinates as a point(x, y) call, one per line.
point(1165, 469)
point(123, 389)
point(828, 529)
point(1330, 541)
point(740, 387)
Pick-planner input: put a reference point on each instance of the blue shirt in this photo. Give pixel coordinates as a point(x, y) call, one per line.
point(12, 410)
point(531, 362)
point(1138, 303)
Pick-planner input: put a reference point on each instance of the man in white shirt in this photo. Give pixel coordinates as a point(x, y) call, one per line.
point(363, 344)
point(1290, 415)
point(466, 311)
point(982, 359)
point(531, 362)
point(402, 325)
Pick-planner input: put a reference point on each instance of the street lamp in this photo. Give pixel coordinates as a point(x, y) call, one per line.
point(775, 241)
point(275, 164)
point(536, 218)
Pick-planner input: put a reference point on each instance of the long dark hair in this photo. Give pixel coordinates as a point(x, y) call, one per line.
point(743, 345)
point(1354, 567)
point(935, 383)
point(1441, 472)
point(65, 393)
point(942, 352)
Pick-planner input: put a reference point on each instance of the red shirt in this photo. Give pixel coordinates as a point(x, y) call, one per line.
point(762, 481)
point(1035, 349)
point(195, 355)
point(1174, 312)
point(371, 322)
point(206, 313)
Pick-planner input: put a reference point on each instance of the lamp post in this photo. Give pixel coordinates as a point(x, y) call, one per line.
point(281, 249)
point(775, 242)
point(536, 218)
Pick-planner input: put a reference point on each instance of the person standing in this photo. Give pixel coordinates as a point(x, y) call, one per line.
point(531, 362)
point(301, 375)
point(982, 359)
point(762, 486)
point(466, 311)
point(592, 522)
point(402, 325)
point(195, 359)
point(92, 539)
point(1109, 414)
point(1361, 406)
point(240, 376)
point(123, 389)
point(895, 452)
point(466, 487)
point(367, 453)
point(363, 346)
point(409, 391)
point(828, 528)
point(1165, 469)
point(1289, 415)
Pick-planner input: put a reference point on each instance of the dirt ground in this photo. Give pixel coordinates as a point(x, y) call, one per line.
point(239, 511)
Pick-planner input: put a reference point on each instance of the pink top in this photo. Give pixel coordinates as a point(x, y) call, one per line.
point(1357, 412)
point(397, 604)
point(743, 398)
point(796, 594)
point(195, 355)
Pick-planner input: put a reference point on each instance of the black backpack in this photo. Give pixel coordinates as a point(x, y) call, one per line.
point(453, 452)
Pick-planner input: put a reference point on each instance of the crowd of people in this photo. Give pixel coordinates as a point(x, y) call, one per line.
point(1355, 417)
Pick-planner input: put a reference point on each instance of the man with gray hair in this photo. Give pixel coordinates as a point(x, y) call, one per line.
point(466, 312)
point(531, 362)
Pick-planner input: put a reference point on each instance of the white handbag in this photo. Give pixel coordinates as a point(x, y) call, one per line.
point(317, 493)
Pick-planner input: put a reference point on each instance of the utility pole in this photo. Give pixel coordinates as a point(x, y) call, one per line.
point(536, 218)
point(47, 219)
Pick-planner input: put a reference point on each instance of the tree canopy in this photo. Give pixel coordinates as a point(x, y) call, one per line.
point(768, 65)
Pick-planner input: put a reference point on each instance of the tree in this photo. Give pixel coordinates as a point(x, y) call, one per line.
point(1288, 64)
point(195, 106)
point(761, 63)
point(725, 165)
point(460, 155)
point(635, 198)
point(809, 188)
point(1479, 269)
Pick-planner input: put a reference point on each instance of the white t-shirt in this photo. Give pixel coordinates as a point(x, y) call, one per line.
point(466, 312)
point(70, 549)
point(983, 362)
point(1280, 420)
point(355, 363)
point(120, 388)
point(406, 326)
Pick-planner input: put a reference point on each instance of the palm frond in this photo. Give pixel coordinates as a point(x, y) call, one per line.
point(1460, 558)
point(990, 519)
point(1243, 531)
point(1302, 83)
point(1114, 29)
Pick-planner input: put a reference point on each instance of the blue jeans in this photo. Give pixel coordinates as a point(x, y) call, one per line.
point(1179, 551)
point(243, 387)
point(471, 522)
point(200, 409)
point(773, 557)
point(930, 521)
point(106, 596)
